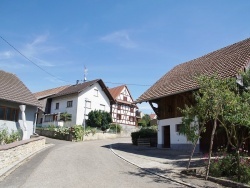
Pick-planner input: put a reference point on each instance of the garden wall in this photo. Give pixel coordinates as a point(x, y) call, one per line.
point(13, 153)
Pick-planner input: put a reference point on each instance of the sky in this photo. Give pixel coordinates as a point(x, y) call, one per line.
point(134, 42)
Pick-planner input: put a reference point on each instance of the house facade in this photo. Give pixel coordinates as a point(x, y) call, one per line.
point(124, 110)
point(18, 105)
point(77, 101)
point(173, 90)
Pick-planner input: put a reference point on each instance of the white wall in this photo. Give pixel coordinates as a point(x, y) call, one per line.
point(96, 102)
point(30, 117)
point(63, 107)
point(176, 140)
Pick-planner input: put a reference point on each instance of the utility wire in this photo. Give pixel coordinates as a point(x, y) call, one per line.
point(127, 84)
point(31, 60)
point(54, 75)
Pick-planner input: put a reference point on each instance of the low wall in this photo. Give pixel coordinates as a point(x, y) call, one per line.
point(11, 154)
point(99, 136)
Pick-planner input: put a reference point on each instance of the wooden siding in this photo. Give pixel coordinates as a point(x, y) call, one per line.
point(168, 107)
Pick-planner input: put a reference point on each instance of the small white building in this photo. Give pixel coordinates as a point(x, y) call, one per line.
point(18, 105)
point(77, 100)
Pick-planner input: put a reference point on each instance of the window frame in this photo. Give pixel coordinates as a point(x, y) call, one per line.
point(57, 106)
point(9, 114)
point(69, 104)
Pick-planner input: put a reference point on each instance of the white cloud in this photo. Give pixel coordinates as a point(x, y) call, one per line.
point(6, 54)
point(120, 38)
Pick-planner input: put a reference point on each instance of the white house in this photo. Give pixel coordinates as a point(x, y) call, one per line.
point(18, 105)
point(123, 110)
point(77, 100)
point(173, 90)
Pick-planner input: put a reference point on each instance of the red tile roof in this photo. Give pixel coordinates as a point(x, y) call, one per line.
point(12, 89)
point(226, 62)
point(116, 91)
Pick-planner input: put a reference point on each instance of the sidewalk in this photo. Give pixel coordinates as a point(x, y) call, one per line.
point(162, 162)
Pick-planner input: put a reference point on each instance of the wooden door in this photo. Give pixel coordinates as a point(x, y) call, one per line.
point(166, 136)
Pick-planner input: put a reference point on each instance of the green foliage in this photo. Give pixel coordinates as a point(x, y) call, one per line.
point(90, 130)
point(6, 137)
point(78, 132)
point(226, 165)
point(65, 117)
point(115, 128)
point(220, 100)
point(99, 119)
point(148, 132)
point(145, 121)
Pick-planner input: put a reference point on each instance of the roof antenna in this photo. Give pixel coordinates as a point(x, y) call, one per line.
point(85, 74)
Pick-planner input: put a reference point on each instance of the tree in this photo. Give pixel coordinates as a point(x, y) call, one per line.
point(223, 101)
point(209, 103)
point(65, 117)
point(145, 121)
point(99, 118)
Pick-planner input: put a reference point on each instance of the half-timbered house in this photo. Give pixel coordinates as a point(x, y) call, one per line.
point(174, 90)
point(124, 110)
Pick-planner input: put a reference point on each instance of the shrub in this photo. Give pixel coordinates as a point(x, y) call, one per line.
point(225, 165)
point(6, 137)
point(99, 119)
point(115, 127)
point(77, 132)
point(148, 132)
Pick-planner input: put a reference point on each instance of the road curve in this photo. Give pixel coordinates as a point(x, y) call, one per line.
point(82, 164)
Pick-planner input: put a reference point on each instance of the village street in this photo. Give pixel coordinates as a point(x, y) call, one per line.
point(94, 164)
point(82, 164)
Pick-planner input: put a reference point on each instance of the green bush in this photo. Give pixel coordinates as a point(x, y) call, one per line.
point(115, 127)
point(225, 165)
point(77, 132)
point(148, 132)
point(7, 138)
point(99, 119)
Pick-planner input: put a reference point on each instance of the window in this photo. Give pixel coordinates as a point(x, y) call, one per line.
point(88, 104)
point(178, 127)
point(96, 92)
point(132, 110)
point(69, 104)
point(57, 105)
point(102, 107)
point(119, 117)
point(7, 113)
point(131, 118)
point(119, 107)
point(125, 98)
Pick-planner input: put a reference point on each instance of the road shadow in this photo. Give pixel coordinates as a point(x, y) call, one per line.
point(147, 172)
point(178, 158)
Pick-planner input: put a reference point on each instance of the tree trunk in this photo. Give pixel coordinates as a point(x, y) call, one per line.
point(211, 147)
point(192, 153)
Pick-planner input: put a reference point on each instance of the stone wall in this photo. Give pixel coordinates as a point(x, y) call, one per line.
point(11, 154)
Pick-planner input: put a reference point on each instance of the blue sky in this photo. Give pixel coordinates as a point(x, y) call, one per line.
point(133, 42)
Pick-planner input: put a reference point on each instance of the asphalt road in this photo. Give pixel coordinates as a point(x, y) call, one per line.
point(82, 164)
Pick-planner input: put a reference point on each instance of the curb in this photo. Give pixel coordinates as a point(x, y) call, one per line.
point(155, 173)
